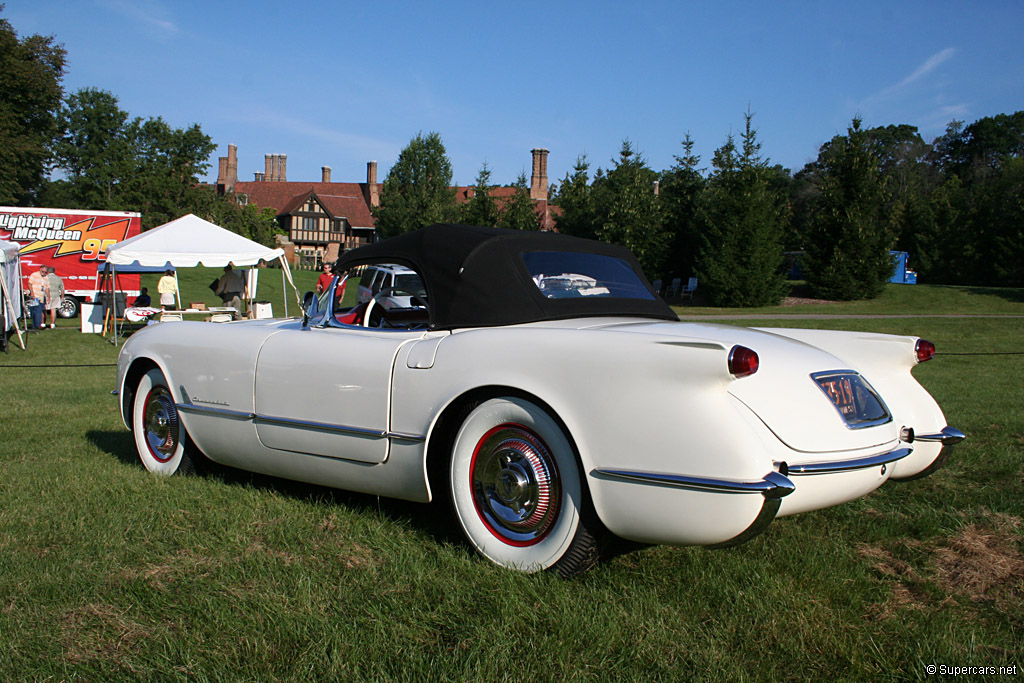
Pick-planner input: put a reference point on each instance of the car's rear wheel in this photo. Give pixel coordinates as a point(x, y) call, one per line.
point(517, 491)
point(160, 438)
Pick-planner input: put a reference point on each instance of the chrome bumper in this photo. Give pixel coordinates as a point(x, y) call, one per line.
point(834, 466)
point(773, 487)
point(947, 437)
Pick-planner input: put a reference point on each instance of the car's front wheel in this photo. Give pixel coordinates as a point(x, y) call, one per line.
point(517, 491)
point(160, 438)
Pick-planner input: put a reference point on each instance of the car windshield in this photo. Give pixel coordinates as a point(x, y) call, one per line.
point(409, 283)
point(564, 274)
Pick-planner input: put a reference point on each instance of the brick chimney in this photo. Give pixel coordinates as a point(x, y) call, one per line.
point(275, 167)
point(325, 174)
point(539, 179)
point(371, 183)
point(227, 171)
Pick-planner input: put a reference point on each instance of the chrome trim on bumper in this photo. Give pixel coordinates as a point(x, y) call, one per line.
point(833, 466)
point(947, 437)
point(773, 486)
point(769, 509)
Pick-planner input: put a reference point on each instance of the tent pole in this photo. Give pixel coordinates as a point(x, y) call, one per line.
point(284, 293)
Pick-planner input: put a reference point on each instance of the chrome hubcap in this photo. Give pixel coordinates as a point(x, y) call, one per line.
point(515, 485)
point(160, 423)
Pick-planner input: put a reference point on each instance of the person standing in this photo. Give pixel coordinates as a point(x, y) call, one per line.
point(54, 295)
point(37, 296)
point(230, 289)
point(325, 278)
point(167, 287)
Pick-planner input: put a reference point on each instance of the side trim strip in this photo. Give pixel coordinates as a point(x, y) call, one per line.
point(774, 485)
point(219, 412)
point(301, 424)
point(833, 466)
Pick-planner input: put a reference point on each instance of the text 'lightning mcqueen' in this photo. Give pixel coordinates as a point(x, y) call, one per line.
point(539, 383)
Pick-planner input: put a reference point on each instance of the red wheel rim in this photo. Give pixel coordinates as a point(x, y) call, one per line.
point(160, 424)
point(515, 485)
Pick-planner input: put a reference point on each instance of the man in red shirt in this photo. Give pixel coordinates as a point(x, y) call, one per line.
point(325, 279)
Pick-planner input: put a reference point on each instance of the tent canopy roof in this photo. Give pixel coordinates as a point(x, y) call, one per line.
point(187, 242)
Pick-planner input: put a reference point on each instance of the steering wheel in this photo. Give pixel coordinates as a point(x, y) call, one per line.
point(390, 291)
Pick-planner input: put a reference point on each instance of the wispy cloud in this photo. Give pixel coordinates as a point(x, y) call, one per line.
point(926, 68)
point(360, 145)
point(147, 12)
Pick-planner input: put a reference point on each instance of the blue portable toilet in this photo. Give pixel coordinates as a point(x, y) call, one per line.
point(901, 272)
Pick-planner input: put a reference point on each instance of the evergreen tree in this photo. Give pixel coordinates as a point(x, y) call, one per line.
point(481, 209)
point(418, 189)
point(628, 212)
point(31, 70)
point(573, 199)
point(847, 248)
point(681, 187)
point(743, 216)
point(519, 213)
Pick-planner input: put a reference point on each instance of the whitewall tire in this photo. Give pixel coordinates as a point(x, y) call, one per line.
point(160, 438)
point(517, 491)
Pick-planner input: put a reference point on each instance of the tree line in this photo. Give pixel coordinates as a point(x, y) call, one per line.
point(81, 150)
point(418, 191)
point(954, 204)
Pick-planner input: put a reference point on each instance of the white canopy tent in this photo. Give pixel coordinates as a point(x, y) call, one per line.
point(190, 241)
point(12, 304)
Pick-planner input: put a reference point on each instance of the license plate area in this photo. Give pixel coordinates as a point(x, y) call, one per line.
point(856, 401)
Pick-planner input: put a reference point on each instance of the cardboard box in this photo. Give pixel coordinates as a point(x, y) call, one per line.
point(197, 305)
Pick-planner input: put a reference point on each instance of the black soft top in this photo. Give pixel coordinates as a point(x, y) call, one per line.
point(476, 277)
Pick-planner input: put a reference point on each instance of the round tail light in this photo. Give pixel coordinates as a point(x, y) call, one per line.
point(743, 362)
point(925, 350)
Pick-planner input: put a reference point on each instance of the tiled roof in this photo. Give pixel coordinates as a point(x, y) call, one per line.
point(342, 200)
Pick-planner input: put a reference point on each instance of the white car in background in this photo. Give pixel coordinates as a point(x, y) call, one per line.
point(399, 283)
point(553, 412)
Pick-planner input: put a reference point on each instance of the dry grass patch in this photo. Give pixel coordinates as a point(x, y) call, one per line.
point(982, 562)
point(184, 563)
point(101, 632)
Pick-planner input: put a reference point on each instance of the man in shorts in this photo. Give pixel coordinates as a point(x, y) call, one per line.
point(54, 295)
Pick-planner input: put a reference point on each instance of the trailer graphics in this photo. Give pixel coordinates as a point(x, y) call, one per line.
point(73, 242)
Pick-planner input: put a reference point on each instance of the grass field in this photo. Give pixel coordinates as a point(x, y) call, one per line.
point(108, 573)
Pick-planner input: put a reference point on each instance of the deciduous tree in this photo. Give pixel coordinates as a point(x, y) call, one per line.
point(31, 70)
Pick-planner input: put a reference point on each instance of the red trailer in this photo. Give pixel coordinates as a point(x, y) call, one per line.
point(72, 241)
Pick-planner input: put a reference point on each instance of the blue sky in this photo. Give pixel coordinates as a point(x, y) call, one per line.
point(342, 83)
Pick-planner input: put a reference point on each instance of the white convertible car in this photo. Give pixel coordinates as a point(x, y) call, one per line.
point(539, 384)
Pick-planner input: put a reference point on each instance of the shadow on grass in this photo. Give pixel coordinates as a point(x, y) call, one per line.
point(1009, 293)
point(433, 518)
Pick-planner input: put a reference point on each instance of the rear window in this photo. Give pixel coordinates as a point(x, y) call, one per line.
point(568, 275)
